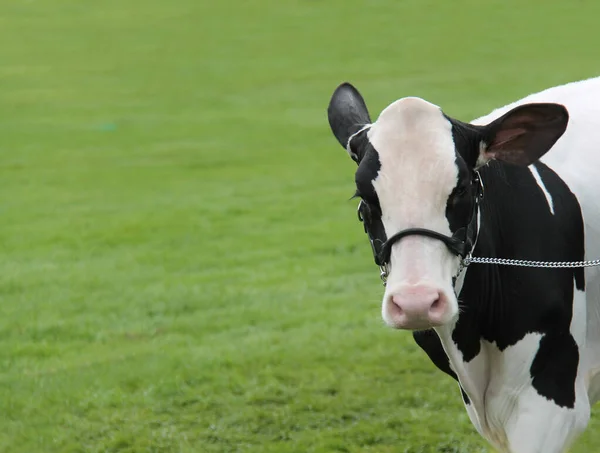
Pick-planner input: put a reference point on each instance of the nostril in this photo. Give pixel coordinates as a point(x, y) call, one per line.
point(396, 304)
point(438, 306)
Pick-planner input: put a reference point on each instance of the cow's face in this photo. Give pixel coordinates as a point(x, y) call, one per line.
point(416, 169)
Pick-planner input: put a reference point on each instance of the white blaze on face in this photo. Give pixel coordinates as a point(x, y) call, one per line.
point(418, 173)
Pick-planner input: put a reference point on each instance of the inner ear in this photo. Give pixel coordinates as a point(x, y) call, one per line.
point(524, 134)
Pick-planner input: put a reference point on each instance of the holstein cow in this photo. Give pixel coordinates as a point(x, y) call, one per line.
point(520, 183)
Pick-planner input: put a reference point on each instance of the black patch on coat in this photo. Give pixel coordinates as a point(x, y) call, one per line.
point(554, 368)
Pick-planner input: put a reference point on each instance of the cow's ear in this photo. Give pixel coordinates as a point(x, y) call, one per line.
point(347, 114)
point(524, 134)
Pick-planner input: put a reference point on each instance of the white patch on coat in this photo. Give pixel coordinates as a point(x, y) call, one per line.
point(538, 425)
point(542, 186)
point(418, 173)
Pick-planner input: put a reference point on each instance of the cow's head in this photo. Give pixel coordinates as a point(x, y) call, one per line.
point(417, 169)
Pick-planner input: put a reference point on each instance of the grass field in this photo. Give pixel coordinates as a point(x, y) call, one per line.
point(182, 270)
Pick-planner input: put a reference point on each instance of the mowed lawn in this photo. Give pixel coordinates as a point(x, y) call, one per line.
point(182, 269)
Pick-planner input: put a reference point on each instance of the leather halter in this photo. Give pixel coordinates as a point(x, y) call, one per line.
point(461, 243)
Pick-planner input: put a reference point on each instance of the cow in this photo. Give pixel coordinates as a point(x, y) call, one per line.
point(520, 183)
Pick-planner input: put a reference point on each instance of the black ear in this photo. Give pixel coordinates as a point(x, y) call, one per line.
point(524, 134)
point(347, 113)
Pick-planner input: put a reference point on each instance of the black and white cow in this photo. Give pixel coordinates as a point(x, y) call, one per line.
point(520, 183)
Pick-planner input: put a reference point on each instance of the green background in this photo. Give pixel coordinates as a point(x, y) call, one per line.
point(182, 270)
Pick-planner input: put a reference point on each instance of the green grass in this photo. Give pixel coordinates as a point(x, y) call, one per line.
point(182, 270)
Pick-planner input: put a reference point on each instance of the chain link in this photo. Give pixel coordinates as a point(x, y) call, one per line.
point(527, 263)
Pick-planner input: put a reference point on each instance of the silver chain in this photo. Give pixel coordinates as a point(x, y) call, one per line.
point(509, 262)
point(528, 263)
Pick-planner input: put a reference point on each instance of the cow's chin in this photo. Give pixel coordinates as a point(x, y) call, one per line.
point(413, 326)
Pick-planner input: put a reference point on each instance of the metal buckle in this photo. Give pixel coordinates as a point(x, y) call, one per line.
point(384, 273)
point(464, 263)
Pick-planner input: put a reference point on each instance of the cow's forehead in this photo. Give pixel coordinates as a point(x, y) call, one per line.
point(409, 109)
point(410, 122)
point(414, 142)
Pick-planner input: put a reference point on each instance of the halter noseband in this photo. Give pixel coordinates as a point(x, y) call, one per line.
point(460, 243)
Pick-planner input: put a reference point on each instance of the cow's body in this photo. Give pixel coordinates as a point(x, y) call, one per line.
point(525, 347)
point(549, 318)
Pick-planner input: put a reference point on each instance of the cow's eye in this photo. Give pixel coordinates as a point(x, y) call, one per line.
point(460, 191)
